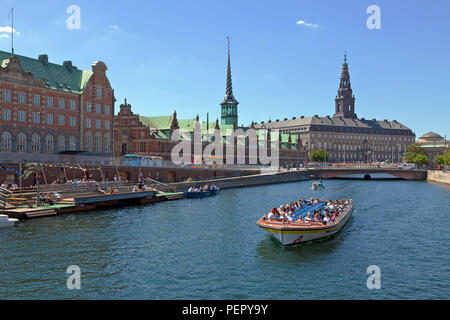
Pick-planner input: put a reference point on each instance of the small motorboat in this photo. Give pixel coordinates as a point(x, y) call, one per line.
point(317, 186)
point(201, 194)
point(292, 233)
point(5, 221)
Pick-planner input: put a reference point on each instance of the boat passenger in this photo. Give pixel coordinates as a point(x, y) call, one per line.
point(308, 217)
point(191, 189)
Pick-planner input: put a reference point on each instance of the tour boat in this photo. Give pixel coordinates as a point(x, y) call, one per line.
point(201, 194)
point(5, 221)
point(298, 232)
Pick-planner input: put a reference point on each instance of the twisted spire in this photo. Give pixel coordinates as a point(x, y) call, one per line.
point(229, 97)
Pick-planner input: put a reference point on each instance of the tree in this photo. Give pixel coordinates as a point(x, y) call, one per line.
point(443, 159)
point(319, 155)
point(31, 168)
point(420, 160)
point(412, 151)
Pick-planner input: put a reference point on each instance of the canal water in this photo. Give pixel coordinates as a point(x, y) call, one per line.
point(212, 249)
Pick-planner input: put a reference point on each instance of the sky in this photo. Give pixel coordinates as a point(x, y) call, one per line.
point(286, 56)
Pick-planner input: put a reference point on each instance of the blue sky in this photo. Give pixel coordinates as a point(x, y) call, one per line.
point(171, 55)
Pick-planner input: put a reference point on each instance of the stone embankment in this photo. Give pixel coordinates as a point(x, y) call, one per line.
point(438, 176)
point(245, 181)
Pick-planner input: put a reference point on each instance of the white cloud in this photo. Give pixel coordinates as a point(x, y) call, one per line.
point(4, 36)
point(7, 29)
point(306, 24)
point(114, 27)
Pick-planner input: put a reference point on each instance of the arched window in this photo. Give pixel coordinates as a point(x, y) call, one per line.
point(61, 143)
point(72, 143)
point(349, 107)
point(6, 141)
point(339, 107)
point(98, 142)
point(21, 142)
point(35, 143)
point(49, 143)
point(89, 142)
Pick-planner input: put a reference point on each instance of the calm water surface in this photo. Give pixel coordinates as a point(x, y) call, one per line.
point(212, 249)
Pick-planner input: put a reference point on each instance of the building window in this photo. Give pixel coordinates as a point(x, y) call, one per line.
point(73, 121)
point(142, 146)
point(37, 100)
point(36, 117)
point(49, 119)
point(107, 124)
point(6, 141)
point(49, 101)
point(88, 107)
point(98, 142)
point(98, 124)
point(107, 143)
point(6, 95)
point(61, 120)
point(98, 108)
point(99, 91)
point(88, 123)
point(72, 143)
point(61, 144)
point(89, 142)
point(6, 114)
point(73, 105)
point(22, 116)
point(21, 142)
point(49, 143)
point(61, 103)
point(22, 97)
point(35, 143)
point(107, 109)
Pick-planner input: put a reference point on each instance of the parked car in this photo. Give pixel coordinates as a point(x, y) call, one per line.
point(407, 166)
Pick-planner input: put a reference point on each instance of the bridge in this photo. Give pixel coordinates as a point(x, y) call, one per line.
point(335, 171)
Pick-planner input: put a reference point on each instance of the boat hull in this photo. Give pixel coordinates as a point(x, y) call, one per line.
point(6, 222)
point(292, 234)
point(202, 194)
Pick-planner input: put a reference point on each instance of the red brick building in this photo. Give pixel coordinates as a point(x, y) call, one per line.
point(48, 109)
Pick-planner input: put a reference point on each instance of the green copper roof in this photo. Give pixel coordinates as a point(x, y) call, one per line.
point(159, 122)
point(56, 77)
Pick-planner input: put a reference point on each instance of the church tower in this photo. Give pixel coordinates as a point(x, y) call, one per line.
point(229, 114)
point(345, 100)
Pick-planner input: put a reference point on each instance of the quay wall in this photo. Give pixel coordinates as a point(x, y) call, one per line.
point(438, 176)
point(127, 173)
point(246, 181)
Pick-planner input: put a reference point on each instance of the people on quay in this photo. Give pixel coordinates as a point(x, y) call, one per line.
point(5, 185)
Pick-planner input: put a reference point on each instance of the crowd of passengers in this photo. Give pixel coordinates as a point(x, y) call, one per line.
point(326, 215)
point(202, 189)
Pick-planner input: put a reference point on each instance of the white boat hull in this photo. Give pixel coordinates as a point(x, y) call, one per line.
point(293, 237)
point(6, 222)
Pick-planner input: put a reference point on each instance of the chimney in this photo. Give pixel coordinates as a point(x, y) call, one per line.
point(68, 65)
point(293, 118)
point(44, 59)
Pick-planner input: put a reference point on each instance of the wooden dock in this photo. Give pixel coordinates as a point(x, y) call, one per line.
point(91, 202)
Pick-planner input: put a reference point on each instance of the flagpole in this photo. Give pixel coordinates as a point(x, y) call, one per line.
point(12, 31)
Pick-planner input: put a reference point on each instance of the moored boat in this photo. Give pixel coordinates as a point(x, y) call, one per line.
point(5, 221)
point(201, 194)
point(291, 233)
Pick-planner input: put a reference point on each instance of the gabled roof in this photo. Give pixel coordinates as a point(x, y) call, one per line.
point(57, 77)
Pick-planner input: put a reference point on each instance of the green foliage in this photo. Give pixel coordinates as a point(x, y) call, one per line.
point(29, 169)
point(444, 158)
point(421, 159)
point(319, 156)
point(412, 151)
